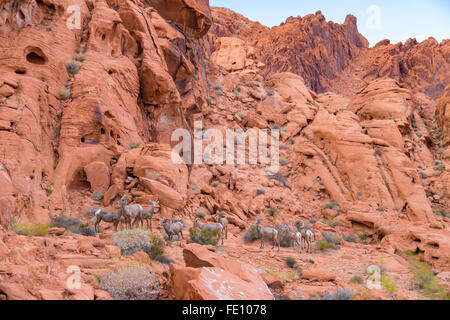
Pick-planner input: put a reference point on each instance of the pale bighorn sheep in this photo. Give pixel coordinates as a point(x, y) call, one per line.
point(172, 229)
point(220, 218)
point(147, 214)
point(130, 212)
point(267, 233)
point(113, 217)
point(295, 238)
point(210, 227)
point(306, 233)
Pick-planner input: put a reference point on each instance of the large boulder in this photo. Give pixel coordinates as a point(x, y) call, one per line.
point(208, 276)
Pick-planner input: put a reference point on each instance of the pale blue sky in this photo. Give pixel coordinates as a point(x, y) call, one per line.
point(398, 20)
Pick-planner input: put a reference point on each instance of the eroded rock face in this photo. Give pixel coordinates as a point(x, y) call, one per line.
point(443, 111)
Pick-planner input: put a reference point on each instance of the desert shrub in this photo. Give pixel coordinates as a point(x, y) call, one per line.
point(272, 211)
point(331, 239)
point(137, 240)
point(204, 237)
point(441, 150)
point(156, 251)
point(74, 225)
point(284, 161)
point(201, 213)
point(350, 238)
point(208, 100)
point(260, 191)
point(362, 235)
point(251, 235)
point(80, 56)
point(425, 280)
point(241, 114)
point(332, 223)
point(88, 232)
point(340, 294)
point(134, 145)
point(381, 209)
point(215, 184)
point(323, 245)
point(333, 205)
point(357, 279)
point(64, 93)
point(131, 283)
point(313, 221)
point(269, 92)
point(72, 67)
point(439, 168)
point(280, 178)
point(423, 175)
point(218, 87)
point(291, 140)
point(291, 262)
point(33, 230)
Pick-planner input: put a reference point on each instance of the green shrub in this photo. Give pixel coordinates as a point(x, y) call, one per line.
point(157, 246)
point(272, 211)
point(291, 262)
point(64, 93)
point(332, 223)
point(362, 235)
point(32, 230)
point(134, 145)
point(251, 235)
point(80, 56)
point(204, 237)
point(331, 238)
point(425, 280)
point(131, 283)
point(72, 67)
point(323, 245)
point(333, 205)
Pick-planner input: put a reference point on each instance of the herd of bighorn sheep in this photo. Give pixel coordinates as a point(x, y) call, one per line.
point(135, 215)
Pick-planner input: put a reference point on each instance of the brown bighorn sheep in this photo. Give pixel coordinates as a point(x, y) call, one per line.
point(295, 238)
point(172, 229)
point(220, 218)
point(267, 233)
point(210, 227)
point(113, 217)
point(130, 212)
point(147, 214)
point(306, 233)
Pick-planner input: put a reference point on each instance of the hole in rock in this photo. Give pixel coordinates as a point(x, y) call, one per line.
point(83, 140)
point(103, 37)
point(35, 56)
point(20, 71)
point(102, 131)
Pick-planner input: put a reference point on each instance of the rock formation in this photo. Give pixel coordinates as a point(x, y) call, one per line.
point(87, 116)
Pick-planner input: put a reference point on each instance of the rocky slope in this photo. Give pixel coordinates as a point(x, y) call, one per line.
point(377, 152)
point(334, 57)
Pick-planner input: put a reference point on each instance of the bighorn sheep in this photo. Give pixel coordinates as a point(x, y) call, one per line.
point(130, 212)
point(210, 227)
point(220, 218)
point(267, 233)
point(147, 214)
point(306, 233)
point(172, 229)
point(295, 238)
point(113, 217)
